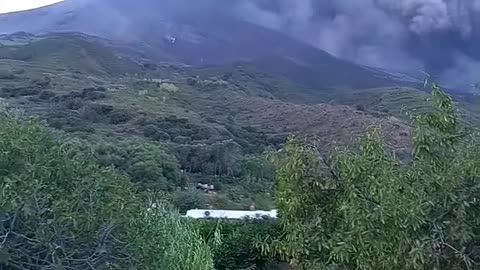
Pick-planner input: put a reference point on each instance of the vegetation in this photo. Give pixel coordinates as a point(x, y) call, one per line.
point(59, 209)
point(159, 239)
point(86, 185)
point(364, 209)
point(237, 246)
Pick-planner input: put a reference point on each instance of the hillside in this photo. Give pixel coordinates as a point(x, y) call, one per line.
point(204, 121)
point(118, 117)
point(182, 32)
point(175, 100)
point(68, 52)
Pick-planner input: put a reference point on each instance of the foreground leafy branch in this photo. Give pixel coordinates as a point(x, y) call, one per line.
point(363, 209)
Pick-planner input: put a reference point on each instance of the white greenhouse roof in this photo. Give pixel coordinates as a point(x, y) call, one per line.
point(230, 214)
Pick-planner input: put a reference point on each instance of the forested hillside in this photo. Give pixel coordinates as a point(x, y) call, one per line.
point(106, 138)
point(169, 126)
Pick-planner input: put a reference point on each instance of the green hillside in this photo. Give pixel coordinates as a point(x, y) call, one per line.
point(91, 132)
point(66, 52)
point(170, 126)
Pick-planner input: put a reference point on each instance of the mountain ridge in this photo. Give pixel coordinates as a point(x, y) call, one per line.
point(196, 40)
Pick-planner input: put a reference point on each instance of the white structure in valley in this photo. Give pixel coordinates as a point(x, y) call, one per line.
point(230, 214)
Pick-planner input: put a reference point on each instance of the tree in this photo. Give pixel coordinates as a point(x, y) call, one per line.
point(189, 199)
point(365, 209)
point(60, 210)
point(146, 163)
point(172, 242)
point(235, 247)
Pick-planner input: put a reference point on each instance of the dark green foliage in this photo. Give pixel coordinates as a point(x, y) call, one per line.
point(69, 122)
point(173, 243)
point(19, 91)
point(95, 112)
point(181, 140)
point(59, 209)
point(363, 209)
point(185, 200)
point(86, 94)
point(52, 191)
point(94, 95)
point(192, 81)
point(74, 104)
point(147, 164)
point(218, 159)
point(155, 133)
point(41, 82)
point(360, 107)
point(46, 95)
point(120, 116)
point(237, 248)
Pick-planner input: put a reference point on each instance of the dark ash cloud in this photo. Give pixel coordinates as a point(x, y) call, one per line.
point(441, 37)
point(438, 36)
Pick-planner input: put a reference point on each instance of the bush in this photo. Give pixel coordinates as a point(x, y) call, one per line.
point(19, 91)
point(155, 133)
point(181, 139)
point(58, 208)
point(41, 82)
point(189, 199)
point(74, 104)
point(119, 117)
point(51, 186)
point(150, 130)
point(46, 95)
point(363, 208)
point(192, 81)
point(148, 166)
point(360, 107)
point(238, 247)
point(172, 243)
point(93, 93)
point(95, 112)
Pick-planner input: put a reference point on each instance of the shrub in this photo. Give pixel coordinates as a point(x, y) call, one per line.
point(93, 93)
point(146, 163)
point(237, 248)
point(189, 199)
point(119, 117)
point(46, 95)
point(95, 112)
point(150, 130)
point(181, 139)
point(41, 82)
point(58, 208)
point(360, 107)
point(192, 81)
point(363, 209)
point(53, 191)
point(172, 242)
point(74, 104)
point(19, 91)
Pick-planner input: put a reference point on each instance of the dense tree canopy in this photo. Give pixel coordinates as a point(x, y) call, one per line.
point(60, 210)
point(366, 209)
